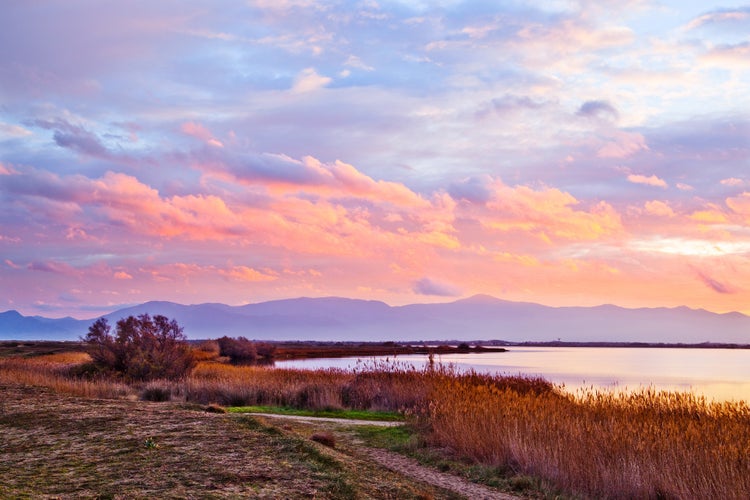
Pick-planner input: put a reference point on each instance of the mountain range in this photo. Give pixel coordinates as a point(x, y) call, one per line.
point(480, 317)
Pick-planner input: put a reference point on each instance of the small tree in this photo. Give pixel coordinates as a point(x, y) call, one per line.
point(142, 348)
point(239, 350)
point(244, 351)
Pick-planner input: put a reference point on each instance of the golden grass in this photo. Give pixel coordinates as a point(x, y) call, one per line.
point(54, 371)
point(593, 444)
point(646, 444)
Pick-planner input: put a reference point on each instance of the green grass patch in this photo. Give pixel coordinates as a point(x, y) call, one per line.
point(378, 416)
point(400, 438)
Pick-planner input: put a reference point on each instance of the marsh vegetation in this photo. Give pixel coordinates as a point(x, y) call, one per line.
point(591, 444)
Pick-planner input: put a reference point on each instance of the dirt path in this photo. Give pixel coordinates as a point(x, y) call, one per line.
point(413, 469)
point(404, 465)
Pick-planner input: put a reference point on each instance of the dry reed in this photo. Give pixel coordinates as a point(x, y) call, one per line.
point(596, 444)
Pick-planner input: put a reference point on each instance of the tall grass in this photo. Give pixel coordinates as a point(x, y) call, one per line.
point(56, 371)
point(593, 444)
point(646, 444)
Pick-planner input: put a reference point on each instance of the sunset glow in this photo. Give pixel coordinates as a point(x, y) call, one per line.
point(565, 153)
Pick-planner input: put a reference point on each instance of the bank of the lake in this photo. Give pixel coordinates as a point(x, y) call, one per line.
point(720, 374)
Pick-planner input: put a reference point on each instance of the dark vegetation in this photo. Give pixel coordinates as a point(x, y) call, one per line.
point(301, 350)
point(242, 351)
point(142, 348)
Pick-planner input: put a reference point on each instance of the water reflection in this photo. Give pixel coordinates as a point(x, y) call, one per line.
point(720, 374)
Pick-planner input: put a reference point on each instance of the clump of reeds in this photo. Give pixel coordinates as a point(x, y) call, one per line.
point(60, 373)
point(646, 444)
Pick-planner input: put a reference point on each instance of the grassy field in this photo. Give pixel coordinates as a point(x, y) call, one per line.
point(513, 432)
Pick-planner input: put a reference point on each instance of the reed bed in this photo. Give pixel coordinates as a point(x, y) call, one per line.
point(646, 444)
point(61, 373)
point(591, 444)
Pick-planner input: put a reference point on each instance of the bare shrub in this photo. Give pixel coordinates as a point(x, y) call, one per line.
point(141, 349)
point(324, 438)
point(157, 391)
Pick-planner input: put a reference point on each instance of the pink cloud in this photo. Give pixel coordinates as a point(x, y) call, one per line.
point(732, 56)
point(740, 204)
point(622, 145)
point(6, 169)
point(200, 132)
point(732, 181)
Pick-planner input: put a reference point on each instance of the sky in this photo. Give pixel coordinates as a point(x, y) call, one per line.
point(568, 153)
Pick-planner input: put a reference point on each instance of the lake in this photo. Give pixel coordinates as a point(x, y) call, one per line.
point(719, 374)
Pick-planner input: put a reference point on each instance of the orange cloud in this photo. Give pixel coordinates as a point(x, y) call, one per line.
point(244, 273)
point(549, 213)
point(659, 208)
point(708, 217)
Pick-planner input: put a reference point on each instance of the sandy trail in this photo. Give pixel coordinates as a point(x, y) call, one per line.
point(404, 465)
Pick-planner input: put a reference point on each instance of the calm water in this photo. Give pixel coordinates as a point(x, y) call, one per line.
point(720, 374)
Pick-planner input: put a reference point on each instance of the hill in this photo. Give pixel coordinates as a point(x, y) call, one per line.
point(476, 318)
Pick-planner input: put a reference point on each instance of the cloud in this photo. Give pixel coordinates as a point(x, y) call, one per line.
point(77, 138)
point(720, 17)
point(659, 208)
point(246, 274)
point(622, 145)
point(308, 80)
point(200, 132)
point(52, 267)
point(714, 284)
point(651, 180)
point(598, 109)
point(9, 130)
point(355, 62)
point(6, 169)
point(732, 181)
point(427, 286)
point(711, 216)
point(734, 56)
point(122, 275)
point(473, 189)
point(547, 214)
point(740, 204)
point(335, 179)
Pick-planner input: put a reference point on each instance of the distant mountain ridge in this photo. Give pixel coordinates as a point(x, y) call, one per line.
point(481, 317)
